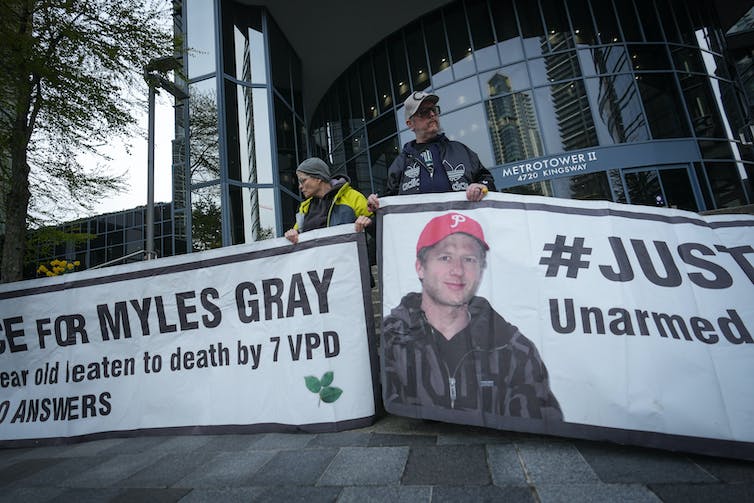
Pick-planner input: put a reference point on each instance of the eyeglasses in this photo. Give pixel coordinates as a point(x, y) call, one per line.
point(426, 113)
point(303, 179)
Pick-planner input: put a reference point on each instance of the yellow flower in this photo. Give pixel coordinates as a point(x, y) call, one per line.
point(69, 266)
point(41, 269)
point(76, 263)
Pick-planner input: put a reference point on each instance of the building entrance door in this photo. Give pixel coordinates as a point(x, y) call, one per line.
point(668, 186)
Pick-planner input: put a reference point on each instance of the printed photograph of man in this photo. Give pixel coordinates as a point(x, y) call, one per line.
point(447, 348)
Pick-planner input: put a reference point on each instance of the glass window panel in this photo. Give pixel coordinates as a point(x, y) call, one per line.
point(458, 38)
point(358, 171)
point(583, 25)
point(506, 30)
point(298, 97)
point(505, 80)
point(649, 22)
point(616, 183)
point(566, 117)
point(677, 188)
point(439, 59)
point(367, 88)
point(243, 42)
point(354, 95)
point(628, 20)
point(607, 25)
point(358, 142)
point(592, 186)
point(401, 84)
point(687, 59)
point(725, 184)
point(668, 21)
point(204, 153)
point(531, 189)
point(252, 214)
point(417, 58)
point(513, 127)
point(286, 146)
point(381, 128)
point(556, 23)
point(705, 117)
point(382, 76)
point(554, 68)
point(200, 37)
point(382, 156)
point(610, 59)
point(479, 20)
point(701, 176)
point(280, 60)
point(644, 188)
point(470, 127)
point(649, 57)
point(459, 94)
point(262, 138)
point(662, 106)
point(289, 205)
point(618, 111)
point(206, 229)
point(685, 25)
point(532, 30)
point(301, 140)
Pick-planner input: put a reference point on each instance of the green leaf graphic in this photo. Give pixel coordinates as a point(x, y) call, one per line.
point(330, 394)
point(313, 384)
point(327, 378)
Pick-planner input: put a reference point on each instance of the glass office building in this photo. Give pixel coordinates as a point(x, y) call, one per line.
point(112, 238)
point(634, 101)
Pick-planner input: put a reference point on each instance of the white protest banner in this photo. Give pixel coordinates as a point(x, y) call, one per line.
point(262, 337)
point(584, 319)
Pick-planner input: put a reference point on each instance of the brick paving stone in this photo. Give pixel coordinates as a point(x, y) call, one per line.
point(554, 463)
point(727, 470)
point(76, 450)
point(595, 493)
point(617, 464)
point(60, 473)
point(227, 469)
point(276, 441)
point(296, 468)
point(25, 468)
point(183, 444)
point(386, 440)
point(341, 439)
point(447, 465)
point(29, 494)
point(138, 445)
point(224, 495)
point(359, 466)
point(150, 495)
point(704, 493)
point(299, 495)
point(231, 443)
point(111, 471)
point(505, 465)
point(164, 472)
point(89, 495)
point(397, 494)
point(479, 494)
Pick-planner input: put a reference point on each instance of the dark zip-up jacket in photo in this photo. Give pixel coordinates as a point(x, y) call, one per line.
point(461, 164)
point(500, 374)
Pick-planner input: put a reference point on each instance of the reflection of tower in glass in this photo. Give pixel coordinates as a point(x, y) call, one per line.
point(251, 207)
point(619, 102)
point(512, 122)
point(569, 99)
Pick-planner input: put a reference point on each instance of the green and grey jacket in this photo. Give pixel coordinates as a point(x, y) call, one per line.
point(347, 204)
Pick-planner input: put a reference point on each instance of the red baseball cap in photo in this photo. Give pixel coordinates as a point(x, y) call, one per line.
point(443, 226)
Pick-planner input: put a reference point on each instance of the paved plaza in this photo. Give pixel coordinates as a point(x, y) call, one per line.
point(396, 459)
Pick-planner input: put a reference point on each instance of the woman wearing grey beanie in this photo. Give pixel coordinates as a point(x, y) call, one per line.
point(328, 200)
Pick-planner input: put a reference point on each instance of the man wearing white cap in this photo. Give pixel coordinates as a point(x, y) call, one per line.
point(446, 348)
point(432, 162)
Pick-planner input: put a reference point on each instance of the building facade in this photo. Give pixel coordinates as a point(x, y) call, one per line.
point(115, 238)
point(634, 101)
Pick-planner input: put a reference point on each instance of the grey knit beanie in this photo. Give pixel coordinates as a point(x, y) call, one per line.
point(315, 167)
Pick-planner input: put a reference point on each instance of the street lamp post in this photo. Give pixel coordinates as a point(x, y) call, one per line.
point(154, 74)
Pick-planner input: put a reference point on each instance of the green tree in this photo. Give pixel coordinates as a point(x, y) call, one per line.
point(70, 71)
